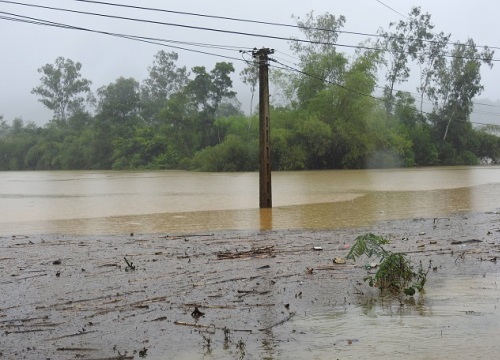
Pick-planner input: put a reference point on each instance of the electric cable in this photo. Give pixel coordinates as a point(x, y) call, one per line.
point(192, 27)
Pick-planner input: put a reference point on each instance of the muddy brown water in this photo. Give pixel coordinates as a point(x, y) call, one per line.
point(90, 307)
point(86, 202)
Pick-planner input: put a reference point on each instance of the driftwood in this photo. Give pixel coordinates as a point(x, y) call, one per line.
point(75, 349)
point(262, 252)
point(204, 326)
point(72, 335)
point(183, 323)
point(27, 331)
point(176, 237)
point(119, 357)
point(460, 242)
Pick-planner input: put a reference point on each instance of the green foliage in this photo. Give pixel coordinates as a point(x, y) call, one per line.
point(395, 272)
point(165, 80)
point(407, 41)
point(62, 87)
point(328, 118)
point(230, 155)
point(369, 245)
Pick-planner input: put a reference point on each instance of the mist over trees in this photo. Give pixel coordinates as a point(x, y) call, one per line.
point(327, 118)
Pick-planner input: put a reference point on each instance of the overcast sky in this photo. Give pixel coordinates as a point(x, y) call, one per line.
point(26, 47)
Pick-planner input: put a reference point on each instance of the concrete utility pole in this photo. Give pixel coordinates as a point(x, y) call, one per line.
point(265, 199)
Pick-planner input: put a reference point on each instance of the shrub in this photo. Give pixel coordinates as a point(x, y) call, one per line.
point(395, 272)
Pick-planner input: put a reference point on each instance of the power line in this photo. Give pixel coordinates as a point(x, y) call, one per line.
point(213, 29)
point(186, 26)
point(390, 8)
point(155, 41)
point(300, 27)
point(381, 87)
point(289, 68)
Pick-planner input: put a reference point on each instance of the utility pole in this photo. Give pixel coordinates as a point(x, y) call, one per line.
point(265, 198)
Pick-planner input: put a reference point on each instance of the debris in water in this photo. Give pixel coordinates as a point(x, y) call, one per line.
point(461, 242)
point(143, 352)
point(197, 313)
point(339, 260)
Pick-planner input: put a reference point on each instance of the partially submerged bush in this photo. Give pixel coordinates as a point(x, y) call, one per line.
point(395, 272)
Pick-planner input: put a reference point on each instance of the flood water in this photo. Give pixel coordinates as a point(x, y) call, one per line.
point(87, 202)
point(458, 318)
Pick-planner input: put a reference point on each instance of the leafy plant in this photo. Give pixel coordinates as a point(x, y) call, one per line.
point(395, 272)
point(369, 245)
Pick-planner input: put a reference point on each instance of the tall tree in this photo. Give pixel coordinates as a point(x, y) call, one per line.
point(164, 80)
point(320, 61)
point(457, 81)
point(430, 61)
point(406, 42)
point(118, 105)
point(206, 91)
point(62, 88)
point(250, 76)
point(116, 118)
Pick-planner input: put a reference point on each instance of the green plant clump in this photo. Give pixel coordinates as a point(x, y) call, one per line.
point(395, 272)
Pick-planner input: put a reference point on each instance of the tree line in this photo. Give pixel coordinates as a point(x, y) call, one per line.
point(326, 118)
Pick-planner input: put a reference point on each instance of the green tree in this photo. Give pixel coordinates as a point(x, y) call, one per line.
point(406, 42)
point(430, 62)
point(320, 63)
point(206, 92)
point(117, 117)
point(456, 83)
point(250, 76)
point(4, 127)
point(118, 106)
point(62, 88)
point(164, 80)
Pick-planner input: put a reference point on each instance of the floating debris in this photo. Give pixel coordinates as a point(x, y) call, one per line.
point(197, 313)
point(339, 261)
point(460, 242)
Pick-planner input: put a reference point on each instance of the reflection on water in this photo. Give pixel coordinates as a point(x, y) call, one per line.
point(141, 201)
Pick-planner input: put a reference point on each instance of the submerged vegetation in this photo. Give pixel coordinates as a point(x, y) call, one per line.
point(395, 272)
point(324, 113)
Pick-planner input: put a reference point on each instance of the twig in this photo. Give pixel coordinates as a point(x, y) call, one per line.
point(461, 256)
point(175, 237)
point(460, 242)
point(75, 349)
point(119, 357)
point(264, 251)
point(183, 323)
point(72, 335)
point(279, 322)
point(203, 326)
point(27, 331)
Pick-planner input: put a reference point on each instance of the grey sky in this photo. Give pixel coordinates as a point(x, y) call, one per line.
point(25, 47)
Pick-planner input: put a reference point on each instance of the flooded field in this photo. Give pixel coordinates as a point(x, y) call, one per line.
point(75, 296)
point(115, 265)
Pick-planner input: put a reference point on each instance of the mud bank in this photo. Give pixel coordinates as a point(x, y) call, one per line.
point(245, 295)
